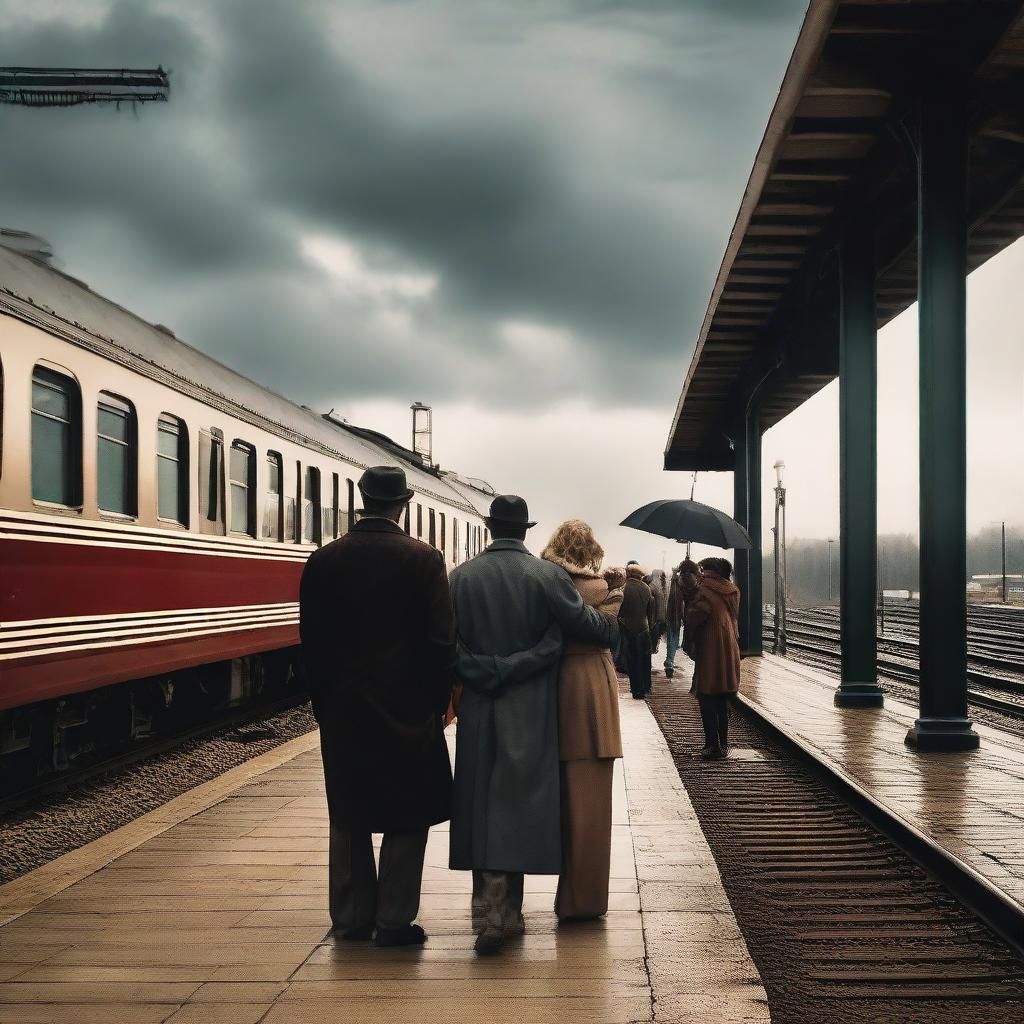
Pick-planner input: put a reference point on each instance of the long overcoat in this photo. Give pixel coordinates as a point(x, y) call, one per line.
point(378, 641)
point(588, 690)
point(513, 611)
point(712, 636)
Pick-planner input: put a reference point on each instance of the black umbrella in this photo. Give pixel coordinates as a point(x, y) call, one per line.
point(682, 520)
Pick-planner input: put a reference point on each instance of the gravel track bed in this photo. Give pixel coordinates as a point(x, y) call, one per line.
point(842, 925)
point(36, 833)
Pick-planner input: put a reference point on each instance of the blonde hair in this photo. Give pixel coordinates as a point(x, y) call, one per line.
point(574, 542)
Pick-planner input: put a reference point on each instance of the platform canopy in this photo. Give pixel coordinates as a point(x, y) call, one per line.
point(841, 143)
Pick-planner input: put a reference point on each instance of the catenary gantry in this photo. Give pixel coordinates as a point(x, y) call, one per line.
point(892, 165)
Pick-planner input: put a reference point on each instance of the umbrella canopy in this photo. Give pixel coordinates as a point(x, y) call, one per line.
point(682, 520)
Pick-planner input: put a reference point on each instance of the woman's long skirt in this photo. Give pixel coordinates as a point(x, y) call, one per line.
point(586, 838)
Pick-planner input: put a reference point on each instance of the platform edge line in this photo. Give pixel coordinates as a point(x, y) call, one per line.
point(22, 895)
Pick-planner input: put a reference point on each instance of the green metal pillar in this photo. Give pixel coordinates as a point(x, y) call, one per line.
point(754, 595)
point(858, 472)
point(942, 268)
point(747, 512)
point(740, 499)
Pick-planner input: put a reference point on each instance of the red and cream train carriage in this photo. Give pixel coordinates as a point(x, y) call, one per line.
point(156, 509)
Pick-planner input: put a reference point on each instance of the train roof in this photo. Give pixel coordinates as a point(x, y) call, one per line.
point(34, 291)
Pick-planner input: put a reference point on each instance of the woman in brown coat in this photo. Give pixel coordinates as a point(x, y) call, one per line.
point(588, 732)
point(712, 640)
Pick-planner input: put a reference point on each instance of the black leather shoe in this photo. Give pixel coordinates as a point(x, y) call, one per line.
point(410, 935)
point(361, 934)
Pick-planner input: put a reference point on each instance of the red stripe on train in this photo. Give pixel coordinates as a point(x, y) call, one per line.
point(43, 581)
point(67, 672)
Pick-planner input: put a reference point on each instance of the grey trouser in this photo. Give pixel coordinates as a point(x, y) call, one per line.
point(358, 897)
point(497, 900)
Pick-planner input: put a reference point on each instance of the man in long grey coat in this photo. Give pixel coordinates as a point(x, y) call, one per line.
point(513, 611)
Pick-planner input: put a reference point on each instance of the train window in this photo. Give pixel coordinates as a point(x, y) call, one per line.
point(408, 515)
point(455, 541)
point(273, 507)
point(242, 473)
point(469, 530)
point(116, 454)
point(211, 481)
point(332, 517)
point(441, 533)
point(172, 469)
point(432, 528)
point(56, 438)
point(351, 505)
point(311, 506)
point(291, 524)
point(419, 520)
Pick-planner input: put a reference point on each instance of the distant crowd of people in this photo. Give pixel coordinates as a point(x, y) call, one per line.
point(521, 651)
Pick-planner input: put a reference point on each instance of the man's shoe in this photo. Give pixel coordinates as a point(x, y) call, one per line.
point(489, 942)
point(712, 754)
point(361, 934)
point(410, 935)
point(668, 672)
point(514, 926)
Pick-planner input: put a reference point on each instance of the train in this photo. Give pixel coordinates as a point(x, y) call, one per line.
point(156, 510)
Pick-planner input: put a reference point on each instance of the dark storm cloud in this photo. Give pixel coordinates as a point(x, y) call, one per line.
point(570, 166)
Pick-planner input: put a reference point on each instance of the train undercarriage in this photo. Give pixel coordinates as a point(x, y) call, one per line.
point(42, 742)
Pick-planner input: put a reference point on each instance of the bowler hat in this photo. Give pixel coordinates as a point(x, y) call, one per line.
point(509, 510)
point(384, 483)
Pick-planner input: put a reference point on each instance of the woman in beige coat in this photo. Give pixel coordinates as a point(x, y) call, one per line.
point(588, 732)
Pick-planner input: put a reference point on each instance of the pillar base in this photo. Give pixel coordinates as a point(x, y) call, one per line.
point(942, 734)
point(859, 695)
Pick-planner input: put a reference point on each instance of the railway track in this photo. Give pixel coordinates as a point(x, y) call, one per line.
point(813, 636)
point(842, 924)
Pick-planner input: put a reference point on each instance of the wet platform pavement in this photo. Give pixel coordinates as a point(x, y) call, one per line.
point(213, 909)
point(970, 805)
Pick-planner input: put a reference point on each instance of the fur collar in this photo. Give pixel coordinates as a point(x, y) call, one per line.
point(720, 586)
point(570, 567)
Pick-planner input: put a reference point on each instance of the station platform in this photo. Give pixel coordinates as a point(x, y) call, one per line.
point(214, 909)
point(963, 812)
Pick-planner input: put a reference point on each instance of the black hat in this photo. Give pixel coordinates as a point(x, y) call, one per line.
point(384, 483)
point(509, 510)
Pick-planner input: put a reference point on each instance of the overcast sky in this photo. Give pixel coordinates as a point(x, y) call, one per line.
point(512, 210)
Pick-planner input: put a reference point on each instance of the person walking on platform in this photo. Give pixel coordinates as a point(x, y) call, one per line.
point(588, 733)
point(684, 586)
point(712, 640)
point(658, 582)
point(637, 620)
point(378, 641)
point(513, 611)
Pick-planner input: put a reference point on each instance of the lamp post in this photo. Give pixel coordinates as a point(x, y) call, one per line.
point(780, 561)
point(831, 541)
point(1005, 595)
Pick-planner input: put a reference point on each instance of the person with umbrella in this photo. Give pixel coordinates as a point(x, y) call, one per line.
point(712, 640)
point(683, 589)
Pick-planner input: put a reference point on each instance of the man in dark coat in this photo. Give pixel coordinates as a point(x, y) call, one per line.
point(636, 616)
point(513, 612)
point(378, 639)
